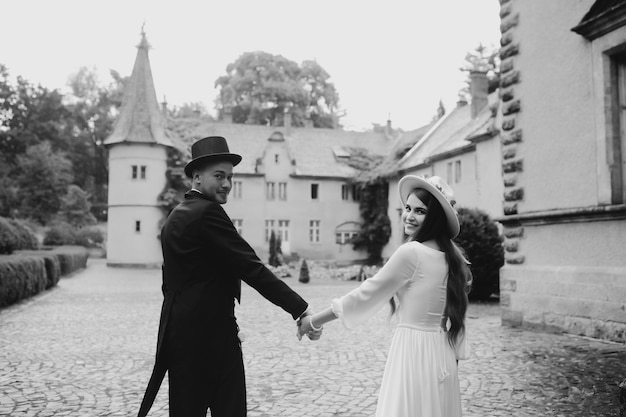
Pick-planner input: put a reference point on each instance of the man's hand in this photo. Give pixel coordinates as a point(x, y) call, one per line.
point(305, 327)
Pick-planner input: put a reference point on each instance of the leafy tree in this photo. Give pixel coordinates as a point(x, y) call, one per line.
point(93, 108)
point(482, 243)
point(190, 110)
point(376, 226)
point(29, 115)
point(485, 60)
point(42, 176)
point(76, 208)
point(177, 182)
point(260, 87)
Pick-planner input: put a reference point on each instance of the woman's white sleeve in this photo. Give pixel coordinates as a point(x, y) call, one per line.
point(363, 302)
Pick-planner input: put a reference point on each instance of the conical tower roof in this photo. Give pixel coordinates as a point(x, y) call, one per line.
point(140, 119)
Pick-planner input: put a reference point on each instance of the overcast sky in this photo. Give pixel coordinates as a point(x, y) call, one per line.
point(393, 58)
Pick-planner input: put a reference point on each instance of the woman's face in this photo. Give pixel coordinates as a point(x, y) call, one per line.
point(413, 214)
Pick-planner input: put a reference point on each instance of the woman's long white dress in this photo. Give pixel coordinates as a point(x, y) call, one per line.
point(420, 378)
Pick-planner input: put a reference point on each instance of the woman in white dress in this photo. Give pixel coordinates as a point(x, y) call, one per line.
point(429, 277)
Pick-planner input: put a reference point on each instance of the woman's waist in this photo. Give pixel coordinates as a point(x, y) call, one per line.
point(424, 327)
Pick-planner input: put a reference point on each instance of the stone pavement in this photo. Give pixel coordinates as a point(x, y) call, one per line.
point(86, 348)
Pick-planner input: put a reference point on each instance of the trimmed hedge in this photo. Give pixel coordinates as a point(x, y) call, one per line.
point(22, 277)
point(52, 265)
point(27, 273)
point(71, 258)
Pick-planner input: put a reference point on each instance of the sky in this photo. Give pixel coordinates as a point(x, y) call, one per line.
point(391, 59)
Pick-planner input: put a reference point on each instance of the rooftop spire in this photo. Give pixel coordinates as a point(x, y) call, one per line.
point(140, 118)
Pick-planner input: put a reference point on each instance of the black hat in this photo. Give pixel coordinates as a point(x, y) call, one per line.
point(212, 148)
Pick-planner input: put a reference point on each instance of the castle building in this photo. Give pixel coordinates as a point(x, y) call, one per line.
point(137, 163)
point(563, 78)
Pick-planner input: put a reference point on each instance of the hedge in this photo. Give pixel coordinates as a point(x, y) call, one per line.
point(482, 243)
point(22, 277)
point(27, 273)
point(15, 235)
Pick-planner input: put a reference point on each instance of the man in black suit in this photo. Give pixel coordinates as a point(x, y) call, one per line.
point(204, 261)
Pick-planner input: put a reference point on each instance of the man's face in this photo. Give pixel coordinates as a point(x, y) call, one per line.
point(214, 180)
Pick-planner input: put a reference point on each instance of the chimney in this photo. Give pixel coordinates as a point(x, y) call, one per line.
point(227, 115)
point(479, 86)
point(164, 106)
point(388, 128)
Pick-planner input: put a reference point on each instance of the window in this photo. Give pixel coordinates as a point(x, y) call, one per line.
point(345, 191)
point(276, 158)
point(138, 172)
point(282, 191)
point(314, 191)
point(238, 223)
point(137, 226)
point(356, 192)
point(270, 192)
point(449, 172)
point(283, 230)
point(344, 238)
point(237, 187)
point(616, 138)
point(314, 231)
point(269, 226)
point(457, 171)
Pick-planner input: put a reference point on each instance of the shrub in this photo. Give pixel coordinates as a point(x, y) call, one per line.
point(60, 233)
point(304, 272)
point(26, 239)
point(71, 258)
point(89, 237)
point(51, 263)
point(8, 237)
point(482, 243)
point(21, 277)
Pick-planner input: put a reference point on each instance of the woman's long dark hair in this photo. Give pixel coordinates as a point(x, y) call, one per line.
point(435, 227)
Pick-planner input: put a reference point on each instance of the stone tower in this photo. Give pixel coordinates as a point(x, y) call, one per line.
point(137, 164)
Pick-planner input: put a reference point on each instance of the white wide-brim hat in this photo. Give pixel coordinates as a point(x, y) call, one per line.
point(440, 190)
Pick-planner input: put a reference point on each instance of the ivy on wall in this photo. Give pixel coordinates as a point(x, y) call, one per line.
point(373, 204)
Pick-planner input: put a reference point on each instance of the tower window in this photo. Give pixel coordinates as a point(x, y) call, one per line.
point(137, 226)
point(315, 191)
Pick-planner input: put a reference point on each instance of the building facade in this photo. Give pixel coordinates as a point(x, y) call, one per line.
point(563, 92)
point(297, 182)
point(137, 163)
point(462, 147)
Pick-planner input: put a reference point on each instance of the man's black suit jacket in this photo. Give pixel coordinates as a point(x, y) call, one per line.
point(204, 261)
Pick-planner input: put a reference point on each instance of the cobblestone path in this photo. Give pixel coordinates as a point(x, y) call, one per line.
point(86, 348)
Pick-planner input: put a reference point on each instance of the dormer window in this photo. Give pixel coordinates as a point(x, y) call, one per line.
point(341, 153)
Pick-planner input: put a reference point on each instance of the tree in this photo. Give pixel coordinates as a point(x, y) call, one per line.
point(485, 60)
point(42, 176)
point(93, 108)
point(482, 243)
point(304, 272)
point(260, 87)
point(76, 208)
point(376, 226)
point(29, 115)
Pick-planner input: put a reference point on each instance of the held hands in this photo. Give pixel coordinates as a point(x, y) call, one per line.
point(305, 326)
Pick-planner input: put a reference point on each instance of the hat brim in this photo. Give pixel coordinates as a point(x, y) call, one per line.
point(194, 163)
point(410, 182)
